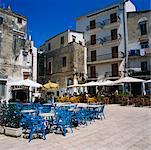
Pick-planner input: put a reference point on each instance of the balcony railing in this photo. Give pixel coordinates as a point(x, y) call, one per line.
point(112, 74)
point(102, 24)
point(140, 52)
point(105, 57)
point(105, 75)
point(108, 21)
point(110, 39)
point(106, 39)
point(141, 73)
point(95, 75)
point(97, 25)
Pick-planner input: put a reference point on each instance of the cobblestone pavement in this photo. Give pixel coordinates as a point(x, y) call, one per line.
point(125, 128)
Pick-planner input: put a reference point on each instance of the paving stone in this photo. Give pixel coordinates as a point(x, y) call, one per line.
point(125, 128)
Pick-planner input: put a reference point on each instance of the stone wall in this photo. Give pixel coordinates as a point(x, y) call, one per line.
point(133, 25)
point(74, 54)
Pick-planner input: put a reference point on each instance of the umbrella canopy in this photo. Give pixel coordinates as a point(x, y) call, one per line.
point(128, 80)
point(75, 85)
point(106, 83)
point(50, 85)
point(148, 81)
point(26, 82)
point(92, 83)
point(31, 83)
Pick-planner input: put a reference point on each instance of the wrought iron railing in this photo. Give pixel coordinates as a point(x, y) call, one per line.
point(105, 57)
point(102, 24)
point(106, 39)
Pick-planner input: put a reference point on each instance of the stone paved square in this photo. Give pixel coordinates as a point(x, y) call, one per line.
point(125, 128)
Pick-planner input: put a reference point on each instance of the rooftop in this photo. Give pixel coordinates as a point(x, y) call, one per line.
point(62, 33)
point(10, 12)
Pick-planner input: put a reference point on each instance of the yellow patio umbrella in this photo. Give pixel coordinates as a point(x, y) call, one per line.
point(50, 85)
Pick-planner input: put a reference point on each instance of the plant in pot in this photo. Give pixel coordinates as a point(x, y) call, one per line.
point(12, 121)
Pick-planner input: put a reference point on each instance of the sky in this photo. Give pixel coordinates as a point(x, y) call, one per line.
point(46, 18)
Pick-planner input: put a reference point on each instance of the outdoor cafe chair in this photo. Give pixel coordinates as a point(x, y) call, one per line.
point(63, 121)
point(100, 112)
point(37, 125)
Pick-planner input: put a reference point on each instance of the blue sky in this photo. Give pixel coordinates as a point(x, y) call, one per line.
point(47, 18)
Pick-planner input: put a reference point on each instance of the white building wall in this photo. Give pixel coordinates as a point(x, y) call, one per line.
point(79, 37)
point(83, 22)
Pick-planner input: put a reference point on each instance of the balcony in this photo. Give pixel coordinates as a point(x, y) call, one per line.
point(139, 52)
point(92, 76)
point(107, 75)
point(105, 40)
point(110, 38)
point(112, 74)
point(108, 56)
point(97, 25)
point(143, 74)
point(103, 23)
point(109, 21)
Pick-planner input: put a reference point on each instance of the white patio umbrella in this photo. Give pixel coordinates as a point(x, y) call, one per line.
point(148, 81)
point(31, 83)
point(128, 80)
point(106, 83)
point(92, 83)
point(75, 85)
point(26, 82)
point(15, 83)
point(131, 80)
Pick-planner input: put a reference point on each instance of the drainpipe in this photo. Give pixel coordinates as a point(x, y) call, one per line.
point(125, 37)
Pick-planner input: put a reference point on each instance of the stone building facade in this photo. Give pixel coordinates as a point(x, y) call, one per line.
point(63, 59)
point(17, 51)
point(139, 43)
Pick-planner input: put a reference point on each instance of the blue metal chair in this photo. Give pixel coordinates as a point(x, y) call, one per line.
point(100, 112)
point(63, 121)
point(37, 126)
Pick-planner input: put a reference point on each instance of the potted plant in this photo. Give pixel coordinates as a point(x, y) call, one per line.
point(12, 121)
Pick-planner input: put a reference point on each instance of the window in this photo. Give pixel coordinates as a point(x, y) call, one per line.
point(93, 39)
point(92, 24)
point(26, 75)
point(144, 66)
point(114, 34)
point(19, 20)
point(92, 72)
point(144, 44)
point(115, 52)
point(62, 40)
point(49, 68)
point(69, 81)
point(143, 27)
point(114, 70)
point(113, 18)
point(49, 46)
point(93, 55)
point(64, 62)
